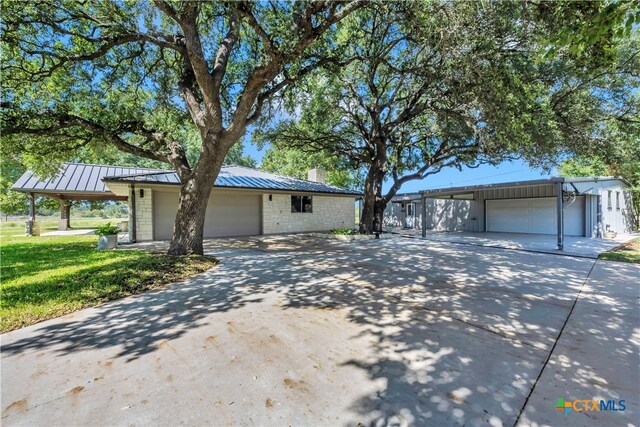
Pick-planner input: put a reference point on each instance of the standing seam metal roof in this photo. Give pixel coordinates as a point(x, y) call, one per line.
point(240, 177)
point(86, 178)
point(75, 178)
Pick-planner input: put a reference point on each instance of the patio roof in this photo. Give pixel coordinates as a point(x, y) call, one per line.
point(76, 181)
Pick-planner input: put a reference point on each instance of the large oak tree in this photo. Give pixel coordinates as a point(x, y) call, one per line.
point(140, 75)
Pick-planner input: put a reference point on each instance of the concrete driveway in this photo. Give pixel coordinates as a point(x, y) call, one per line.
point(574, 246)
point(294, 331)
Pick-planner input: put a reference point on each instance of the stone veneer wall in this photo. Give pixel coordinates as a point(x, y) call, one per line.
point(328, 212)
point(144, 215)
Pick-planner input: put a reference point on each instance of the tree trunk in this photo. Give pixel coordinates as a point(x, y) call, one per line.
point(366, 217)
point(372, 196)
point(195, 190)
point(378, 214)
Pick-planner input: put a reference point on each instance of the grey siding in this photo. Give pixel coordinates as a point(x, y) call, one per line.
point(450, 215)
point(395, 215)
point(446, 213)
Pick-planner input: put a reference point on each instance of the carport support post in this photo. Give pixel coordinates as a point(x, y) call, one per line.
point(32, 206)
point(32, 227)
point(560, 212)
point(424, 216)
point(65, 213)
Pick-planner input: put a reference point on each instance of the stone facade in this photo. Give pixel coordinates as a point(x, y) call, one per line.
point(328, 212)
point(144, 214)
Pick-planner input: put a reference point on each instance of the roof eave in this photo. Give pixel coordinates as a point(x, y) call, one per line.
point(231, 187)
point(536, 182)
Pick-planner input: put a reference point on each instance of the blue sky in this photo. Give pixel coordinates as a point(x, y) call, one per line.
point(451, 177)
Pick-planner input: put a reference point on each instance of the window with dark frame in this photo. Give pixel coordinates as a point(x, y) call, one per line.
point(617, 200)
point(609, 199)
point(301, 204)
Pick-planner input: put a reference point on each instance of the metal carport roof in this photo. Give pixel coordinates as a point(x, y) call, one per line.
point(76, 181)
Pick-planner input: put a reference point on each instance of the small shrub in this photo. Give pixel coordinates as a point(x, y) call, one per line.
point(342, 231)
point(107, 229)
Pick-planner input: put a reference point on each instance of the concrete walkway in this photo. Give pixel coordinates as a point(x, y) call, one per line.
point(597, 356)
point(73, 232)
point(314, 332)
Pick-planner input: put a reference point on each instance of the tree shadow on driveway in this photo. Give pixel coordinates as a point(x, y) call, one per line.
point(458, 334)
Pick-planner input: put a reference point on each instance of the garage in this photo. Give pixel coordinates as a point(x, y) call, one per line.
point(228, 214)
point(534, 215)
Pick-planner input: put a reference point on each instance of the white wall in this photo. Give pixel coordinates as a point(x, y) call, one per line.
point(328, 212)
point(616, 216)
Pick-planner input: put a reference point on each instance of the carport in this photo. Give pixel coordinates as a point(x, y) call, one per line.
point(555, 206)
point(75, 182)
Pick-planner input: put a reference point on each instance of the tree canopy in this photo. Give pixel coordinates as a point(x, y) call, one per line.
point(296, 163)
point(143, 76)
point(459, 84)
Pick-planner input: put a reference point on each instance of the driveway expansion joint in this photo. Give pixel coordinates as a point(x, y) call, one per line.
point(555, 343)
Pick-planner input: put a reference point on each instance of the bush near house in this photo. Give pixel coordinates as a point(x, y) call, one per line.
point(627, 252)
point(343, 231)
point(46, 277)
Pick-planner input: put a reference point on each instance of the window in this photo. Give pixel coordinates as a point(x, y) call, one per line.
point(301, 204)
point(617, 200)
point(410, 209)
point(609, 199)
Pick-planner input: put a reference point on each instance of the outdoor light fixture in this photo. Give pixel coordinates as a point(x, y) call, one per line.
point(141, 193)
point(270, 197)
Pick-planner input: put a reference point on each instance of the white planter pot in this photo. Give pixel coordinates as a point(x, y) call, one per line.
point(108, 242)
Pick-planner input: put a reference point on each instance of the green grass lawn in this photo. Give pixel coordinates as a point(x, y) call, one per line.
point(627, 252)
point(46, 277)
point(17, 228)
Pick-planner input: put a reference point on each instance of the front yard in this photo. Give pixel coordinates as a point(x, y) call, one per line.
point(46, 277)
point(627, 252)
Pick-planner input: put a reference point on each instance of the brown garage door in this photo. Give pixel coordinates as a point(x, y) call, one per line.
point(227, 214)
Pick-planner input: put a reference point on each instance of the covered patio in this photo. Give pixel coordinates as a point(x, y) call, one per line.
point(75, 182)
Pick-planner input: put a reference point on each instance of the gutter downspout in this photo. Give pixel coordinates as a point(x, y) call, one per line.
point(560, 212)
point(132, 237)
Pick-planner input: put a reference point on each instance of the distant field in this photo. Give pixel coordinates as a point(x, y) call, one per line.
point(17, 227)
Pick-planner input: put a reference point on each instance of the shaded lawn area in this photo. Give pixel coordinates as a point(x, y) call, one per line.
point(46, 277)
point(627, 252)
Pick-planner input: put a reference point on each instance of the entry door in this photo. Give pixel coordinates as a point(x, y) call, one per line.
point(409, 215)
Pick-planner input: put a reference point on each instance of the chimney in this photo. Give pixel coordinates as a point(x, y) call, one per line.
point(317, 175)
